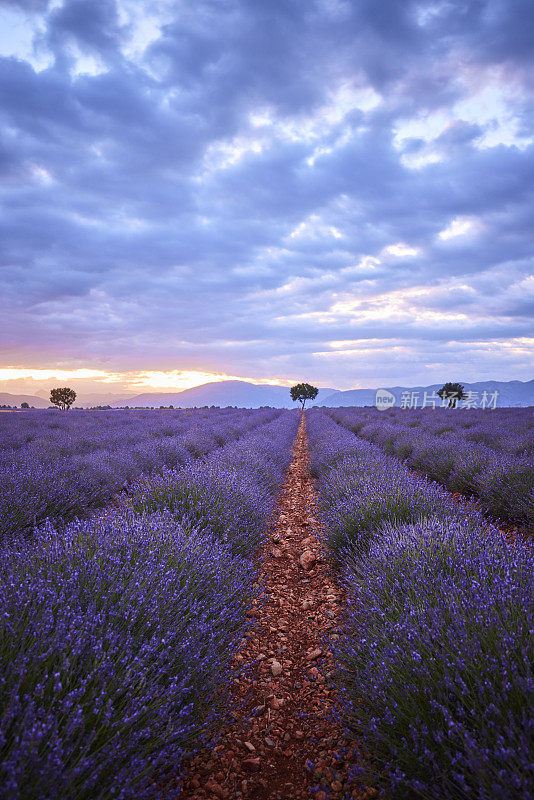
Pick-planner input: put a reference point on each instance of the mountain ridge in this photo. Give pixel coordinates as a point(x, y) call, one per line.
point(224, 393)
point(509, 393)
point(245, 394)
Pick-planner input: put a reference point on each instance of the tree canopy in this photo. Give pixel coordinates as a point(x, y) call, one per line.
point(452, 392)
point(302, 392)
point(63, 397)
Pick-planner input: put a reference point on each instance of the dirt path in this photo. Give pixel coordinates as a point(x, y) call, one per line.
point(283, 741)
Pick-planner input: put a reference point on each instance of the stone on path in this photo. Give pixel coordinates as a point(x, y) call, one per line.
point(307, 559)
point(276, 668)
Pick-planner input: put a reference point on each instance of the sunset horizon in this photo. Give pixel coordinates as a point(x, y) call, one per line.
point(197, 192)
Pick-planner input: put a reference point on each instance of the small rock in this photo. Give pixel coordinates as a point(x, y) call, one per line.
point(276, 668)
point(307, 560)
point(314, 654)
point(250, 747)
point(252, 764)
point(215, 788)
point(269, 742)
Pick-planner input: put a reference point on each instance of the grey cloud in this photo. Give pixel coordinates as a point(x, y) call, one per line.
point(92, 24)
point(112, 228)
point(29, 5)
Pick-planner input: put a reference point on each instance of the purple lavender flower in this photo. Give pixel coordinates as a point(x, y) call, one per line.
point(117, 633)
point(434, 668)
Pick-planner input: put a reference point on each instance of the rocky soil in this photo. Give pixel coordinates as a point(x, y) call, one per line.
point(282, 741)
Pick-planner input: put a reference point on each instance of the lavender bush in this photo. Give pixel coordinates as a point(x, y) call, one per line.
point(232, 492)
point(484, 454)
point(435, 663)
point(361, 488)
point(117, 632)
point(61, 466)
point(115, 643)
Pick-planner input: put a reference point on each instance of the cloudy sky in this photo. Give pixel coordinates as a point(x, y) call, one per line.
point(333, 191)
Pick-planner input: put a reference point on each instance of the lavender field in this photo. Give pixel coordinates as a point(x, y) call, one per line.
point(486, 455)
point(61, 466)
point(118, 628)
point(129, 545)
point(435, 662)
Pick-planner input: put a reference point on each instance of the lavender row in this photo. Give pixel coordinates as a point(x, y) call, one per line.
point(61, 466)
point(230, 492)
point(117, 634)
point(435, 659)
point(501, 480)
point(507, 430)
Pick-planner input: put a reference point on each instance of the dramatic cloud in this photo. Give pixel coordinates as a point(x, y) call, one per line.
point(332, 191)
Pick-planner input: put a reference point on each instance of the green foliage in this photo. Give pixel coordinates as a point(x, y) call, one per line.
point(453, 392)
point(302, 392)
point(63, 397)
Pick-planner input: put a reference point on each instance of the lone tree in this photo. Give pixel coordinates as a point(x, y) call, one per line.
point(63, 398)
point(303, 392)
point(453, 392)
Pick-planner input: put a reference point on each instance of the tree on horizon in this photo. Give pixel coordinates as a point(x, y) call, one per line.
point(302, 392)
point(453, 392)
point(63, 397)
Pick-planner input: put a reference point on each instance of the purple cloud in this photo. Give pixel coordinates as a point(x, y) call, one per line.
point(235, 186)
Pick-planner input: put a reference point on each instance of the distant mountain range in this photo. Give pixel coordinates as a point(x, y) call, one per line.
point(509, 393)
point(7, 399)
point(252, 395)
point(224, 393)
